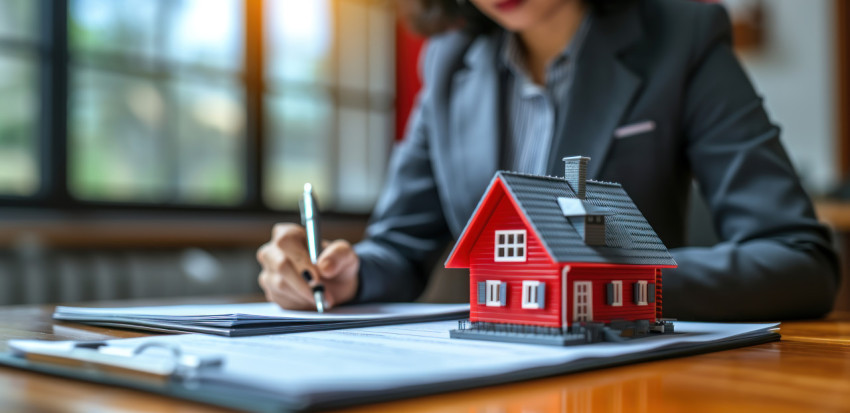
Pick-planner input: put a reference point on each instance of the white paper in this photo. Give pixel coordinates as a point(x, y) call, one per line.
point(271, 311)
point(328, 365)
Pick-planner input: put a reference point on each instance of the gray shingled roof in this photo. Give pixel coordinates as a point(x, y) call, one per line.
point(629, 239)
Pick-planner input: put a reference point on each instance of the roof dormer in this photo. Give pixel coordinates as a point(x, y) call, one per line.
point(587, 219)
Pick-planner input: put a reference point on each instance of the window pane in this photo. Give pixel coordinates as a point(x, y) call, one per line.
point(138, 140)
point(19, 172)
point(342, 49)
point(117, 145)
point(18, 19)
point(353, 174)
point(382, 25)
point(202, 32)
point(300, 148)
point(128, 26)
point(354, 48)
point(210, 143)
point(205, 32)
point(299, 37)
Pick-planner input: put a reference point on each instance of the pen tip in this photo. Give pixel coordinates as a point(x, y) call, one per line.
point(308, 187)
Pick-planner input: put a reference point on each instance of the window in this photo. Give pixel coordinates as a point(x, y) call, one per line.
point(156, 103)
point(20, 42)
point(640, 293)
point(533, 294)
point(510, 246)
point(582, 303)
point(615, 293)
point(330, 100)
point(200, 104)
point(496, 293)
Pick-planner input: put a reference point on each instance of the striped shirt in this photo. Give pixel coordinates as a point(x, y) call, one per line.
point(533, 111)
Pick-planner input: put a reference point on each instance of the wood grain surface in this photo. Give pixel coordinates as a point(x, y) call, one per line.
point(809, 370)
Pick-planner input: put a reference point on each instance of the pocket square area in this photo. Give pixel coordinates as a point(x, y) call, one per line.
point(634, 129)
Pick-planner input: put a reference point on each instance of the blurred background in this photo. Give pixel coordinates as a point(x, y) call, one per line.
point(148, 146)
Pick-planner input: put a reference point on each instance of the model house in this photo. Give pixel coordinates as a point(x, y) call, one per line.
point(560, 261)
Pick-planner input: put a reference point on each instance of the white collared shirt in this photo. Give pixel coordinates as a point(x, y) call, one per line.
point(533, 110)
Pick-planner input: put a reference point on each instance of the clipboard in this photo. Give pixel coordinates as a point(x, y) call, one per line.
point(175, 375)
point(204, 378)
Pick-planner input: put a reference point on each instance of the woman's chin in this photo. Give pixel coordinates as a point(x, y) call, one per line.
point(515, 23)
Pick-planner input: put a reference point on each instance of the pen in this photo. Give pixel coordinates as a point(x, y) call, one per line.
point(310, 221)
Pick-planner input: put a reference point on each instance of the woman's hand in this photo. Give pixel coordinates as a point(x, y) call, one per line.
point(288, 275)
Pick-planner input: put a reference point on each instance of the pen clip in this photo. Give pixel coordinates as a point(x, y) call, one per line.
point(310, 221)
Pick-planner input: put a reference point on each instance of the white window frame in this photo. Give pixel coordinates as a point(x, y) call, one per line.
point(618, 294)
point(493, 293)
point(587, 306)
point(510, 249)
point(642, 298)
point(529, 295)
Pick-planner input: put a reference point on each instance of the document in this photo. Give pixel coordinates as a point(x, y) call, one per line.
point(326, 369)
point(258, 318)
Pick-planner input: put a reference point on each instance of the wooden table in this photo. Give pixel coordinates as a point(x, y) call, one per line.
point(809, 370)
point(836, 214)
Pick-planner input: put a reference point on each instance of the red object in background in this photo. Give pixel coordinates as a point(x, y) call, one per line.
point(407, 50)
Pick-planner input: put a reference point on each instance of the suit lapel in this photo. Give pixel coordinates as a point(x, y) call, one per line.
point(474, 124)
point(602, 90)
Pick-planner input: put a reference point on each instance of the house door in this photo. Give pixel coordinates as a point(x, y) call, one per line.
point(582, 304)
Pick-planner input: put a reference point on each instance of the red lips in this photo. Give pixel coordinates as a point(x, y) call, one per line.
point(508, 5)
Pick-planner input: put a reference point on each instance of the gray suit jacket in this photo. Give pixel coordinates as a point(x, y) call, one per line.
point(666, 61)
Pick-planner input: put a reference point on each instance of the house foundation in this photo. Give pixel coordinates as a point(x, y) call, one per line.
point(583, 333)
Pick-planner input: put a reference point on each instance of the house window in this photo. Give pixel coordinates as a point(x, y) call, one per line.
point(582, 305)
point(615, 293)
point(640, 293)
point(533, 294)
point(510, 246)
point(496, 293)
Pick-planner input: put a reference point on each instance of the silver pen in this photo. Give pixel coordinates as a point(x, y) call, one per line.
point(310, 221)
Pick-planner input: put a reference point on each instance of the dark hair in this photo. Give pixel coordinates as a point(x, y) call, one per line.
point(430, 17)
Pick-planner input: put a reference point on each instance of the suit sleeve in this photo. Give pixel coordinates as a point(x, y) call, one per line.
point(775, 261)
point(407, 230)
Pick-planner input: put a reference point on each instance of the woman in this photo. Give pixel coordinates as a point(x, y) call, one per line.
point(650, 90)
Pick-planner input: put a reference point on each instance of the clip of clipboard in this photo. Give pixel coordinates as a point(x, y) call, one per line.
point(86, 356)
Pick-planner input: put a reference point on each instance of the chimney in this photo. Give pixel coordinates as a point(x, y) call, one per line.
point(575, 172)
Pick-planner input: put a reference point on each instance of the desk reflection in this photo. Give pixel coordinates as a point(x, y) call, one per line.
point(633, 391)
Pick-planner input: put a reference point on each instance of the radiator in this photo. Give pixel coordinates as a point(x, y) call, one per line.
point(32, 275)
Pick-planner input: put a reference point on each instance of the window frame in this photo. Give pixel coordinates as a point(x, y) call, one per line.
point(510, 248)
point(617, 286)
point(642, 298)
point(530, 289)
point(493, 293)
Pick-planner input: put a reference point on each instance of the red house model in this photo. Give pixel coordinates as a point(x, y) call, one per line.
point(560, 261)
